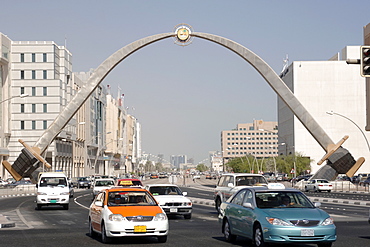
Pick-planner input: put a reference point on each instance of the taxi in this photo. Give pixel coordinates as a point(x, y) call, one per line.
point(275, 214)
point(129, 182)
point(127, 211)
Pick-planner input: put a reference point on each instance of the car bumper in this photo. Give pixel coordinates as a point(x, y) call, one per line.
point(297, 234)
point(126, 228)
point(52, 200)
point(177, 210)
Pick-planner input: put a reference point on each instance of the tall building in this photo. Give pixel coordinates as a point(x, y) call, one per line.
point(259, 139)
point(176, 160)
point(334, 93)
point(43, 71)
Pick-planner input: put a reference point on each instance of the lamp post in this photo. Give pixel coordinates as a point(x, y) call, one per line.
point(334, 113)
point(23, 95)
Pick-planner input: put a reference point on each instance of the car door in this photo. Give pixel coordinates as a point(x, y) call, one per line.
point(247, 215)
point(235, 212)
point(96, 211)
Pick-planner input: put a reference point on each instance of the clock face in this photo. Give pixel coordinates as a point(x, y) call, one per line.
point(183, 34)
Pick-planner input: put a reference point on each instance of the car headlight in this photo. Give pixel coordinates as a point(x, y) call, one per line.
point(64, 193)
point(41, 193)
point(277, 222)
point(116, 217)
point(327, 221)
point(160, 217)
point(187, 204)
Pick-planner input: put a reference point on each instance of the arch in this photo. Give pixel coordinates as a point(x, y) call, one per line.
point(330, 171)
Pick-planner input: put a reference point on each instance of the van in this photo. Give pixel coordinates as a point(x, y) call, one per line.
point(52, 189)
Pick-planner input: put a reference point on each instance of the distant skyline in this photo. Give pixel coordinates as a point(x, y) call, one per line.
point(185, 96)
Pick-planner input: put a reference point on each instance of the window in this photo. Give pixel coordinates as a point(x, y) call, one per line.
point(33, 57)
point(33, 91)
point(22, 57)
point(33, 108)
point(33, 74)
point(22, 90)
point(45, 107)
point(45, 75)
point(22, 74)
point(33, 124)
point(22, 125)
point(44, 91)
point(22, 108)
point(44, 57)
point(44, 124)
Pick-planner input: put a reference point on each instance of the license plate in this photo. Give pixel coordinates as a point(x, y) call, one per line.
point(307, 232)
point(53, 201)
point(139, 228)
point(173, 210)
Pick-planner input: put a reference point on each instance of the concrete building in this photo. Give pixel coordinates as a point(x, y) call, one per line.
point(259, 139)
point(42, 70)
point(176, 160)
point(335, 95)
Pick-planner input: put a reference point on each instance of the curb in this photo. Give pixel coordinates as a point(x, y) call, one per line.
point(5, 222)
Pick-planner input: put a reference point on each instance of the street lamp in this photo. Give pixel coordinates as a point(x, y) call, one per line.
point(334, 113)
point(23, 95)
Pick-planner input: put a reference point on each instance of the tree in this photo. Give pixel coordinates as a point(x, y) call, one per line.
point(202, 167)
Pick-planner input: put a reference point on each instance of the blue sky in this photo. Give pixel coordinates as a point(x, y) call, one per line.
point(185, 96)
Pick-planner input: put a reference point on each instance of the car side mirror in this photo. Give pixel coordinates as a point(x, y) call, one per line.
point(247, 205)
point(99, 203)
point(184, 193)
point(317, 204)
point(230, 185)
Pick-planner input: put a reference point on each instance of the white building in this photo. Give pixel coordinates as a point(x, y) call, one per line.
point(321, 87)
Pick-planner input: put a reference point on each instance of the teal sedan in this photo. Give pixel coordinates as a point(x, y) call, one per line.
point(275, 214)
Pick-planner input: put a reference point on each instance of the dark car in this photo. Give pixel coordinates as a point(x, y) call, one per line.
point(84, 182)
point(365, 182)
point(20, 182)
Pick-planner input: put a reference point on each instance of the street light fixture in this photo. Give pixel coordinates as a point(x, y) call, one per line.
point(23, 95)
point(334, 113)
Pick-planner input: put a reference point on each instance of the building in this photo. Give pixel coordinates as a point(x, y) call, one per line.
point(176, 160)
point(258, 139)
point(335, 95)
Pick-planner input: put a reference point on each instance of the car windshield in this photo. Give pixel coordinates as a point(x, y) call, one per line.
point(83, 179)
point(165, 190)
point(250, 180)
point(130, 198)
point(104, 183)
point(282, 200)
point(53, 181)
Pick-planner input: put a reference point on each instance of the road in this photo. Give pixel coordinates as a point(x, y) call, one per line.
point(54, 226)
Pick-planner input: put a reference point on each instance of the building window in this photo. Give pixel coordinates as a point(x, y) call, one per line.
point(33, 57)
point(22, 125)
point(22, 90)
point(33, 74)
point(33, 108)
point(44, 57)
point(22, 57)
point(45, 107)
point(33, 91)
point(22, 74)
point(33, 124)
point(44, 91)
point(22, 108)
point(45, 75)
point(45, 124)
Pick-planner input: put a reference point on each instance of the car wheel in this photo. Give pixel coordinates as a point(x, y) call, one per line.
point(329, 191)
point(305, 189)
point(227, 232)
point(162, 239)
point(104, 238)
point(325, 244)
point(187, 216)
point(218, 204)
point(258, 237)
point(92, 233)
point(39, 206)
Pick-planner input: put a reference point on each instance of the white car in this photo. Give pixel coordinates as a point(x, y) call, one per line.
point(101, 184)
point(171, 199)
point(318, 185)
point(127, 212)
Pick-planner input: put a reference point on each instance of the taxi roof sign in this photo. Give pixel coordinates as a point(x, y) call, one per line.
point(125, 182)
point(275, 186)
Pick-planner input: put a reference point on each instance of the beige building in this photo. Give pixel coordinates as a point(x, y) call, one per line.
point(259, 139)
